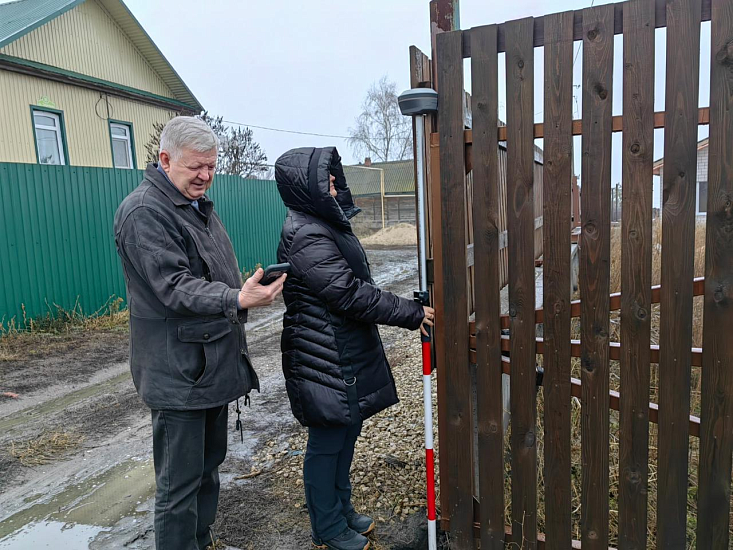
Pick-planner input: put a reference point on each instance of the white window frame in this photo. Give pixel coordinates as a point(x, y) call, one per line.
point(127, 140)
point(697, 199)
point(57, 129)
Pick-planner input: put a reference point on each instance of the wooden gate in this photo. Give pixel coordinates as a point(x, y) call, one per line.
point(465, 209)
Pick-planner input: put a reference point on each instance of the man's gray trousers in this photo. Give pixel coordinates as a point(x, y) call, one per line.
point(188, 447)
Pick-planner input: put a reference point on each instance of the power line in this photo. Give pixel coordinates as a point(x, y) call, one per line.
point(285, 131)
point(578, 51)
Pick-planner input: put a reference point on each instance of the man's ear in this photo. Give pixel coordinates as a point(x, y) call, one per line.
point(165, 161)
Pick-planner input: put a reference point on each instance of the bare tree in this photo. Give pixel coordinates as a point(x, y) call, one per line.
point(239, 154)
point(153, 145)
point(381, 131)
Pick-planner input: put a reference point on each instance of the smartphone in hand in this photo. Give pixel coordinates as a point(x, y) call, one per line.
point(274, 272)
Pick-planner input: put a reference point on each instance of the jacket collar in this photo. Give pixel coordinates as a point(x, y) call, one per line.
point(153, 175)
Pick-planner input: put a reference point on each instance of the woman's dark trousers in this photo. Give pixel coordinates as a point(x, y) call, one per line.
point(188, 447)
point(326, 476)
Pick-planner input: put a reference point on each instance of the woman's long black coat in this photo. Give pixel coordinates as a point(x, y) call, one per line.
point(335, 368)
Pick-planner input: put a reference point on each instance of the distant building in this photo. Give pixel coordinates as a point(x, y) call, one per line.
point(366, 181)
point(82, 84)
point(701, 192)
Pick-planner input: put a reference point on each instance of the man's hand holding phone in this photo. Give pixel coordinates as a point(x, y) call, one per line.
point(263, 287)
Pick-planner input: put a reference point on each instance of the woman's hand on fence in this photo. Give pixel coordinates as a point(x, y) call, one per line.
point(427, 320)
point(253, 294)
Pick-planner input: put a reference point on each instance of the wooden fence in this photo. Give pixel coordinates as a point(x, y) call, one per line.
point(467, 210)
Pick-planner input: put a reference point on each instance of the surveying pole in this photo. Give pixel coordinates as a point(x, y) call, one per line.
point(417, 103)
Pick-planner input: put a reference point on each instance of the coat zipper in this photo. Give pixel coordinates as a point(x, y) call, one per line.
point(216, 245)
point(247, 381)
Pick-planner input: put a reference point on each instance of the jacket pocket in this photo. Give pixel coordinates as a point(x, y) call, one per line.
point(200, 344)
point(204, 333)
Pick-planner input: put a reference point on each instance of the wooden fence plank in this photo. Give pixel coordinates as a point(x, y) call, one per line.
point(502, 217)
point(716, 437)
point(484, 67)
point(678, 236)
point(636, 269)
point(520, 220)
point(698, 289)
point(452, 308)
point(614, 350)
point(420, 72)
point(594, 271)
point(469, 240)
point(439, 337)
point(557, 179)
point(614, 398)
point(660, 21)
point(703, 119)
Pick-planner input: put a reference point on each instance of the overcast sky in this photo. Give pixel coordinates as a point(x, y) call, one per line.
point(306, 65)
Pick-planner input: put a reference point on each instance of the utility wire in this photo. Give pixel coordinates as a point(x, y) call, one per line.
point(578, 50)
point(285, 131)
point(337, 136)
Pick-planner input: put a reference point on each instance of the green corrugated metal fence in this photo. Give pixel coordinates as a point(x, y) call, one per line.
point(56, 240)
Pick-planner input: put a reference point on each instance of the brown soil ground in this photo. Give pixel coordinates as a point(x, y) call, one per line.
point(75, 445)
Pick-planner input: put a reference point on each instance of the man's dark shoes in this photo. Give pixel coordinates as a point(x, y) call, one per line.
point(360, 523)
point(347, 540)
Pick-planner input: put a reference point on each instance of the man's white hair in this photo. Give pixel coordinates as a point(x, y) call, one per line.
point(187, 132)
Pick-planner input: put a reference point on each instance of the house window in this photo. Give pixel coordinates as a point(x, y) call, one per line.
point(702, 197)
point(49, 133)
point(122, 148)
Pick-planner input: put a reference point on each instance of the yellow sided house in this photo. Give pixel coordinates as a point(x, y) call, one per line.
point(82, 84)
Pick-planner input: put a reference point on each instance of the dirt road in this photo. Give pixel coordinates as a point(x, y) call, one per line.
point(75, 447)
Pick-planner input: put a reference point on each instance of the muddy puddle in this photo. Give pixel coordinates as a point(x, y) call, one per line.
point(51, 534)
point(73, 517)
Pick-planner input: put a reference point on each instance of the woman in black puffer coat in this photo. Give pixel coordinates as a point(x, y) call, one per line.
point(336, 372)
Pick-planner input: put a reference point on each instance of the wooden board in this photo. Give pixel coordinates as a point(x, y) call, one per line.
point(614, 303)
point(678, 237)
point(439, 337)
point(617, 126)
point(452, 305)
point(594, 272)
point(420, 73)
point(520, 228)
point(636, 269)
point(716, 437)
point(557, 180)
point(660, 21)
point(614, 398)
point(486, 232)
point(614, 350)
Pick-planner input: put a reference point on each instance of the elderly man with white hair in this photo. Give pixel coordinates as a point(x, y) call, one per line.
point(188, 306)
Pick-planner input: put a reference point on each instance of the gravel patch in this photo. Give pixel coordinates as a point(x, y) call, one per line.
point(388, 473)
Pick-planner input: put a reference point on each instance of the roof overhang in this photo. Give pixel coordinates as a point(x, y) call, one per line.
point(48, 72)
point(659, 163)
point(24, 16)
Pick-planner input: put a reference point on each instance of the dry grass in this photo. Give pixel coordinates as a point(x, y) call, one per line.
point(657, 278)
point(576, 472)
point(44, 448)
point(16, 334)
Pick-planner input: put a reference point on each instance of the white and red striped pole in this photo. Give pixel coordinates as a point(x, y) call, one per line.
point(424, 298)
point(429, 455)
point(417, 103)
